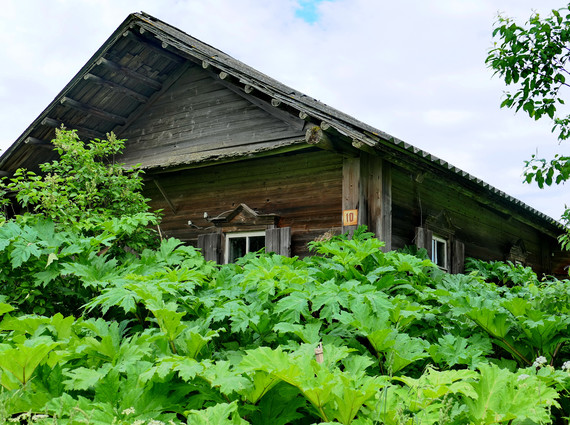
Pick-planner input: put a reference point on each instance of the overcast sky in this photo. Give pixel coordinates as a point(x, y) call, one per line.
point(412, 68)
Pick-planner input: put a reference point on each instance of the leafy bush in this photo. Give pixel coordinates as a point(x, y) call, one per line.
point(95, 333)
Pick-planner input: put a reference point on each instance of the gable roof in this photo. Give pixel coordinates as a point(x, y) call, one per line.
point(145, 56)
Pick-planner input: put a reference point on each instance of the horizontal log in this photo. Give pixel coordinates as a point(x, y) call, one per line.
point(83, 131)
point(149, 45)
point(33, 141)
point(224, 76)
point(156, 85)
point(107, 116)
point(317, 137)
point(117, 87)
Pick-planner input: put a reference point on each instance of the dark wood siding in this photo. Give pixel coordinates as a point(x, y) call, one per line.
point(487, 233)
point(199, 116)
point(304, 189)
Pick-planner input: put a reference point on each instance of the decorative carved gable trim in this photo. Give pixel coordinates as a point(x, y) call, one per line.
point(441, 224)
point(243, 215)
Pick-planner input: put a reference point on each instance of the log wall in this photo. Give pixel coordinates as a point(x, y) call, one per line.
point(304, 189)
point(487, 233)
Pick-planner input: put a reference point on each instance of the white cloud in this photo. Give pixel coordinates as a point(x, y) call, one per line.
point(414, 69)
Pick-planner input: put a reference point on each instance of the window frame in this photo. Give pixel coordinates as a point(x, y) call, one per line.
point(236, 235)
point(435, 239)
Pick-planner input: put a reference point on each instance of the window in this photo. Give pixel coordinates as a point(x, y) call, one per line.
point(439, 252)
point(240, 243)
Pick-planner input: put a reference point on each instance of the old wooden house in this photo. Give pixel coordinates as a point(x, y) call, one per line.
point(238, 161)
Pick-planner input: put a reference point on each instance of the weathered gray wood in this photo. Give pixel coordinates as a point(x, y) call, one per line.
point(211, 246)
point(203, 116)
point(376, 201)
point(278, 240)
point(423, 239)
point(37, 142)
point(315, 136)
point(351, 189)
point(108, 116)
point(117, 87)
point(164, 88)
point(156, 49)
point(156, 85)
point(165, 196)
point(83, 131)
point(385, 232)
point(457, 256)
point(272, 110)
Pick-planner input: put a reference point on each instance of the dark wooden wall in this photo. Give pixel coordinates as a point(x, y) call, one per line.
point(303, 188)
point(487, 233)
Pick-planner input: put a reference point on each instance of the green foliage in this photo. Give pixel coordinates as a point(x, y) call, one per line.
point(84, 187)
point(94, 331)
point(533, 58)
point(187, 342)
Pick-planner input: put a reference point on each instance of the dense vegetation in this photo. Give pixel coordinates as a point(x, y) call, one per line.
point(100, 326)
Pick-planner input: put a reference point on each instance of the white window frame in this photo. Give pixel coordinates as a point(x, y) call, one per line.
point(235, 235)
point(434, 241)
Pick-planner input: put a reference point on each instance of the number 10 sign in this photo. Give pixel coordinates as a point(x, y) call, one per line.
point(349, 217)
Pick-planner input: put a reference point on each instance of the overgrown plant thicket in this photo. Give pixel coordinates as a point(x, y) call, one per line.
point(97, 328)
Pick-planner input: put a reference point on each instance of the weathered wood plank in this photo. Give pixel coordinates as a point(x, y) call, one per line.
point(278, 240)
point(211, 246)
point(117, 87)
point(108, 116)
point(304, 189)
point(83, 131)
point(457, 256)
point(351, 189)
point(156, 85)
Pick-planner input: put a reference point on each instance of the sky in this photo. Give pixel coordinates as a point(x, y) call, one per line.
point(414, 69)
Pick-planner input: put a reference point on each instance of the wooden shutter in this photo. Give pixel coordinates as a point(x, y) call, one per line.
point(278, 240)
point(423, 239)
point(457, 256)
point(211, 246)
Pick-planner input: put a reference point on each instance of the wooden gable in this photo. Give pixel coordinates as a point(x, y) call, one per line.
point(200, 117)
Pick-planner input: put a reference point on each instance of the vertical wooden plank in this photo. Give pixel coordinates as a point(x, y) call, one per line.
point(350, 188)
point(211, 246)
point(545, 257)
point(278, 240)
point(457, 256)
point(423, 239)
point(386, 227)
point(376, 198)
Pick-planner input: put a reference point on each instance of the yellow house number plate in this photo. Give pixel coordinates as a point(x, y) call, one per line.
point(349, 217)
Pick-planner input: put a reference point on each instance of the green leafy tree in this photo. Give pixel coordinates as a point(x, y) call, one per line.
point(85, 190)
point(533, 60)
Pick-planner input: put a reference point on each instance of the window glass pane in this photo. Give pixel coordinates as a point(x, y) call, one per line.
point(439, 253)
point(256, 243)
point(237, 248)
